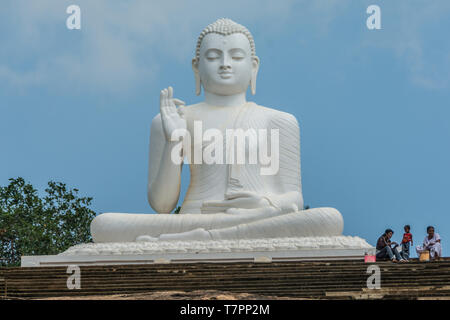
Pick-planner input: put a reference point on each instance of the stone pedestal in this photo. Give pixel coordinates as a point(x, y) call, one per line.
point(252, 250)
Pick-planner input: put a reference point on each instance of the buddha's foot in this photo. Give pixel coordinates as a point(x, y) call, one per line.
point(146, 239)
point(197, 234)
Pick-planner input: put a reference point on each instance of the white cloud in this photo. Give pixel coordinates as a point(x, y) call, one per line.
point(20, 79)
point(121, 43)
point(416, 35)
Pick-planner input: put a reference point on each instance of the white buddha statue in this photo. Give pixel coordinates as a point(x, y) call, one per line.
point(226, 200)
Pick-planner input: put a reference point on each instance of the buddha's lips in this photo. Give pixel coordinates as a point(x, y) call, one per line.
point(226, 75)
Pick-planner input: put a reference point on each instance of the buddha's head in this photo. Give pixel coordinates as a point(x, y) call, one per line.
point(225, 62)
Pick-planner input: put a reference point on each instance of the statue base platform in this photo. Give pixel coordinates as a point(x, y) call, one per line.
point(249, 250)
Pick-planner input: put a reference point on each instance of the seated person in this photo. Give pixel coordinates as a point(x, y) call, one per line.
point(384, 249)
point(432, 243)
point(407, 241)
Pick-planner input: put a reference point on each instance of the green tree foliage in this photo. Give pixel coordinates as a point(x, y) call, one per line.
point(33, 225)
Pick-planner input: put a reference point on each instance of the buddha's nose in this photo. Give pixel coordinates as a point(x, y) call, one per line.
point(225, 68)
point(226, 63)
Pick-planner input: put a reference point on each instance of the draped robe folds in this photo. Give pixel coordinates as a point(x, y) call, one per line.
point(432, 244)
point(284, 217)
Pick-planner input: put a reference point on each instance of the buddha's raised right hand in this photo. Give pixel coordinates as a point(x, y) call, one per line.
point(171, 117)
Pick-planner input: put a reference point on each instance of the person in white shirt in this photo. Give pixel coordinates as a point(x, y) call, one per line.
point(432, 242)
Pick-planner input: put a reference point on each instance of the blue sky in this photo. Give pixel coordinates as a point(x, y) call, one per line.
point(373, 105)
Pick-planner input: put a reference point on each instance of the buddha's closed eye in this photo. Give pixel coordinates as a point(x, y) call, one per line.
point(212, 54)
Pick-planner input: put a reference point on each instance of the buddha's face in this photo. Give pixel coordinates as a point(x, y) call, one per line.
point(226, 64)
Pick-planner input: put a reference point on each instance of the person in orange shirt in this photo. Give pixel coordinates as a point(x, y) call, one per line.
point(407, 241)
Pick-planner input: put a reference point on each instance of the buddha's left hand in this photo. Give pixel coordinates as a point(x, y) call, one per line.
point(238, 200)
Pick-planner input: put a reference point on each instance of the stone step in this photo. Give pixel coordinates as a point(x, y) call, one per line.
point(152, 286)
point(229, 268)
point(281, 292)
point(343, 276)
point(386, 278)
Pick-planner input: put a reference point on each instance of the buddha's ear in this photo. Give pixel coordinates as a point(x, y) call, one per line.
point(255, 68)
point(198, 83)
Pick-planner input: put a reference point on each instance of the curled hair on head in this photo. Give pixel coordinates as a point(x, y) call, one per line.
point(430, 227)
point(388, 230)
point(407, 226)
point(224, 27)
